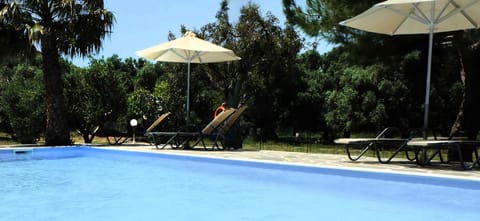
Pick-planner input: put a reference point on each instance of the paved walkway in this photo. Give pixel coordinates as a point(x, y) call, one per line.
point(322, 160)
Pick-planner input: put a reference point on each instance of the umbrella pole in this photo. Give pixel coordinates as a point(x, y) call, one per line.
point(429, 71)
point(188, 92)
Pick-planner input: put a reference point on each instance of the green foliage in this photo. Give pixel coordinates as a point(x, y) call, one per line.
point(78, 26)
point(22, 102)
point(399, 69)
point(161, 92)
point(266, 74)
point(321, 17)
point(142, 104)
point(365, 99)
point(147, 76)
point(351, 97)
point(69, 27)
point(170, 90)
point(13, 45)
point(367, 82)
point(355, 103)
point(95, 95)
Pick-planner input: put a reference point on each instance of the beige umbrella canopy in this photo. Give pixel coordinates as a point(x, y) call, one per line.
point(401, 17)
point(188, 49)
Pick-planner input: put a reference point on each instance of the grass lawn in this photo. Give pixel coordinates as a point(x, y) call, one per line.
point(300, 147)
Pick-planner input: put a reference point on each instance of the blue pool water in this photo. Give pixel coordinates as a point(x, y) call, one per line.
point(84, 184)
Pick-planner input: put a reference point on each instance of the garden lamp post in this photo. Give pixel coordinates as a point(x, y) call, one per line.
point(133, 123)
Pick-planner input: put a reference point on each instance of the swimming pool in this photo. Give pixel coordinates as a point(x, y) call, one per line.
point(83, 183)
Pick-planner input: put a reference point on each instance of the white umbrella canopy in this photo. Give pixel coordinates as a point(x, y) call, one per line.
point(402, 17)
point(188, 49)
point(397, 17)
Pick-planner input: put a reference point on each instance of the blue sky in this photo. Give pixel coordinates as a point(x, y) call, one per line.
point(144, 23)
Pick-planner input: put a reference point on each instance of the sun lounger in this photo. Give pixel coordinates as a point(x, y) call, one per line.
point(233, 118)
point(183, 137)
point(115, 137)
point(158, 121)
point(423, 157)
point(377, 144)
point(222, 137)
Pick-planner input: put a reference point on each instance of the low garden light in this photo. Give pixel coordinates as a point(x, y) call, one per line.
point(133, 123)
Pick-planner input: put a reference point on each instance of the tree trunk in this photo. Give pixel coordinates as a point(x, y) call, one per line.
point(467, 119)
point(233, 138)
point(457, 125)
point(471, 122)
point(88, 138)
point(57, 131)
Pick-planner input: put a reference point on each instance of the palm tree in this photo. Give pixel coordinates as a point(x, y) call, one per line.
point(58, 27)
point(14, 45)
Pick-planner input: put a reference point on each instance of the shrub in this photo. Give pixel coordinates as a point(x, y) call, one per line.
point(22, 101)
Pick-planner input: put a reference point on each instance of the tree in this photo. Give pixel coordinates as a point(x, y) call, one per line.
point(312, 96)
point(466, 46)
point(267, 74)
point(69, 27)
point(144, 106)
point(23, 91)
point(95, 95)
point(13, 45)
point(404, 56)
point(321, 17)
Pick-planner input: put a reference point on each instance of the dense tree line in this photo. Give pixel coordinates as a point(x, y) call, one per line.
point(57, 27)
point(365, 83)
point(380, 80)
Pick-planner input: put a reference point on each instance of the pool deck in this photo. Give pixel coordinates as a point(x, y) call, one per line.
point(320, 160)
